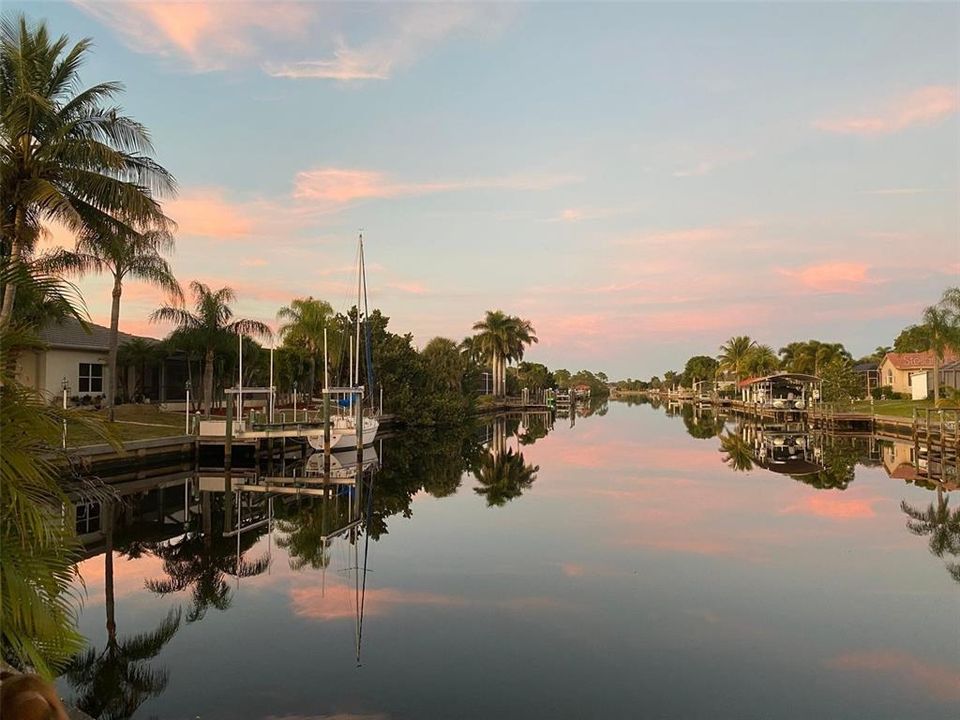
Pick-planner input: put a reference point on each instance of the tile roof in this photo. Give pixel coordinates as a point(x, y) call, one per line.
point(916, 360)
point(69, 333)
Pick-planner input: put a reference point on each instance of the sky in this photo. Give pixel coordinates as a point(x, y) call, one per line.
point(640, 181)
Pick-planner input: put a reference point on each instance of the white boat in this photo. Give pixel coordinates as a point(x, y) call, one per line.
point(343, 433)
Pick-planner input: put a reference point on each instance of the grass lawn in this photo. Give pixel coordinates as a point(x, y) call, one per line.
point(893, 408)
point(133, 422)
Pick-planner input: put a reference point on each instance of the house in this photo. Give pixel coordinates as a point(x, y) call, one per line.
point(582, 390)
point(897, 369)
point(77, 357)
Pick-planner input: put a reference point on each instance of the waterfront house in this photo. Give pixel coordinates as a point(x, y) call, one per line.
point(77, 356)
point(897, 370)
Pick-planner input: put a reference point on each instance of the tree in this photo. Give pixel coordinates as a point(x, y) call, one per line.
point(912, 339)
point(137, 256)
point(139, 353)
point(503, 338)
point(943, 333)
point(210, 326)
point(305, 320)
point(761, 360)
point(67, 155)
point(840, 382)
point(37, 548)
point(444, 364)
point(810, 356)
point(699, 367)
point(942, 525)
point(733, 355)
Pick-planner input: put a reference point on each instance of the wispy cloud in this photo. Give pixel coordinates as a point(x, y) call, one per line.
point(925, 106)
point(711, 162)
point(334, 188)
point(410, 32)
point(903, 191)
point(837, 277)
point(208, 35)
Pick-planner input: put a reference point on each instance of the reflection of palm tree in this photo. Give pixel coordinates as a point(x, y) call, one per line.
point(504, 476)
point(112, 684)
point(941, 524)
point(739, 453)
point(203, 562)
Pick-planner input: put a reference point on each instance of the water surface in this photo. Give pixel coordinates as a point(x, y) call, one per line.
point(620, 568)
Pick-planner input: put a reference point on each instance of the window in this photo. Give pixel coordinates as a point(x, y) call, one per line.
point(91, 378)
point(88, 518)
point(889, 377)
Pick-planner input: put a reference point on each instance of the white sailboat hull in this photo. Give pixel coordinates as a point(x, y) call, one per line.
point(343, 434)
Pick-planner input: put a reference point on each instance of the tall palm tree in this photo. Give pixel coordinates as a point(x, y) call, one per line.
point(733, 355)
point(66, 154)
point(493, 340)
point(304, 321)
point(210, 326)
point(137, 256)
point(503, 338)
point(944, 333)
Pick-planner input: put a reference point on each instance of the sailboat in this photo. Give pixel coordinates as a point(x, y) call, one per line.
point(344, 427)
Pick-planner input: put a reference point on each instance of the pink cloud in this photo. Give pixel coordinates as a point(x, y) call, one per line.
point(839, 277)
point(925, 106)
point(937, 679)
point(205, 212)
point(834, 507)
point(572, 569)
point(335, 188)
point(209, 35)
point(129, 575)
point(413, 288)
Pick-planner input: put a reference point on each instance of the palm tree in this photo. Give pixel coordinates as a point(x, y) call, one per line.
point(733, 354)
point(305, 320)
point(67, 156)
point(210, 327)
point(503, 338)
point(761, 360)
point(944, 333)
point(136, 256)
point(38, 598)
point(139, 352)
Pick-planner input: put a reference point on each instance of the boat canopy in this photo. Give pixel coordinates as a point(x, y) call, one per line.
point(789, 377)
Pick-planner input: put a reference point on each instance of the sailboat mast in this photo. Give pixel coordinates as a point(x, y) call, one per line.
point(356, 373)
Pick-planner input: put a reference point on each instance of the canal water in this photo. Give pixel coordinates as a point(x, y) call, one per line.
point(628, 563)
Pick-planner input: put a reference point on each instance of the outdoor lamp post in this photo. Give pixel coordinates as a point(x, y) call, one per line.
point(186, 410)
point(66, 386)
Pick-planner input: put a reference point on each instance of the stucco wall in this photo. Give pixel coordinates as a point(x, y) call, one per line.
point(900, 382)
point(66, 363)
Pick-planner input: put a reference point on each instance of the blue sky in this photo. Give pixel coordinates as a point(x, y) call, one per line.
point(641, 181)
